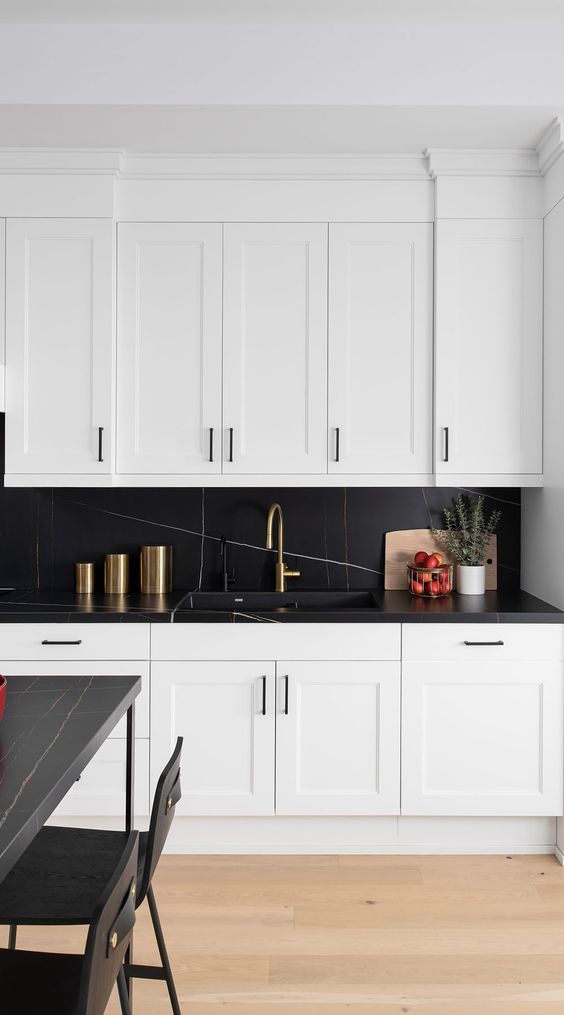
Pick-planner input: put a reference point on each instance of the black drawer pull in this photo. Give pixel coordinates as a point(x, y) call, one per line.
point(264, 695)
point(483, 643)
point(100, 443)
point(47, 641)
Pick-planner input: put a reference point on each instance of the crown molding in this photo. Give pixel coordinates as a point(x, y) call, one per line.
point(44, 161)
point(551, 146)
point(433, 162)
point(176, 166)
point(274, 167)
point(481, 162)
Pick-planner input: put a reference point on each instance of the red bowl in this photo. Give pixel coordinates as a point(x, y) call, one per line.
point(3, 685)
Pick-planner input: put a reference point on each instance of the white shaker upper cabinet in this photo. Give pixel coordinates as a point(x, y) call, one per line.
point(380, 348)
point(59, 342)
point(275, 349)
point(169, 348)
point(489, 348)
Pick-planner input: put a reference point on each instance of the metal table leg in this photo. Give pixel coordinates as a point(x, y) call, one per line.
point(129, 771)
point(129, 815)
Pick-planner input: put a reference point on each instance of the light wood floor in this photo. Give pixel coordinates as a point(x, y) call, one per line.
point(335, 935)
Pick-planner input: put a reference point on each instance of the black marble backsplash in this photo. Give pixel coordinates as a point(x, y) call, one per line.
point(334, 536)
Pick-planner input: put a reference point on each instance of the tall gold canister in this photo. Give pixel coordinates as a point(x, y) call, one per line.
point(156, 569)
point(116, 573)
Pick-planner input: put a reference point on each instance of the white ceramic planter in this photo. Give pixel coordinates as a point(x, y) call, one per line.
point(471, 581)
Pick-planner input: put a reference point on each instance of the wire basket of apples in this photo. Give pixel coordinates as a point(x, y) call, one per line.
point(429, 576)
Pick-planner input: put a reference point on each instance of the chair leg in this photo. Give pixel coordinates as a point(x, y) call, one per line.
point(162, 951)
point(12, 935)
point(123, 995)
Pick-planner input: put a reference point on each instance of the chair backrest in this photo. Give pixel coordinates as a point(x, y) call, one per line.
point(110, 933)
point(167, 795)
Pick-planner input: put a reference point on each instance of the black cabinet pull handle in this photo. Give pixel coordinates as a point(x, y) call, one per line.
point(286, 694)
point(483, 643)
point(264, 695)
point(100, 443)
point(211, 443)
point(337, 443)
point(47, 641)
point(230, 443)
point(446, 441)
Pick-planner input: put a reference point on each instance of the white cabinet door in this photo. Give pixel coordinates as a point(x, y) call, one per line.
point(275, 349)
point(225, 712)
point(488, 347)
point(482, 738)
point(169, 348)
point(380, 348)
point(338, 738)
point(59, 346)
point(100, 791)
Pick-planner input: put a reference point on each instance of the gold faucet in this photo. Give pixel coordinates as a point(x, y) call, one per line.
point(282, 571)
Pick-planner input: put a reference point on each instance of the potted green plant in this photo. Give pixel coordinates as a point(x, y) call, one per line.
point(465, 537)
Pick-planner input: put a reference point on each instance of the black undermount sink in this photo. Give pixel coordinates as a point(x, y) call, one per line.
point(259, 602)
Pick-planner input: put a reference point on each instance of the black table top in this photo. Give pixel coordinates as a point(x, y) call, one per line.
point(51, 729)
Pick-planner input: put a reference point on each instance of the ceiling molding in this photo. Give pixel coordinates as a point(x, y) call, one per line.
point(471, 162)
point(551, 146)
point(430, 164)
point(90, 161)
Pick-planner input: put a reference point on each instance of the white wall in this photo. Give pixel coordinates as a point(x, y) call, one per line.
point(543, 510)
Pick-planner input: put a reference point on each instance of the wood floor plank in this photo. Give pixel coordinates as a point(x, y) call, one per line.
point(334, 935)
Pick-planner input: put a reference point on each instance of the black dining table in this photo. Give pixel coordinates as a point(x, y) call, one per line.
point(52, 727)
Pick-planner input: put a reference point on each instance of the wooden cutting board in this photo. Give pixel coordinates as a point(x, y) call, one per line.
point(403, 544)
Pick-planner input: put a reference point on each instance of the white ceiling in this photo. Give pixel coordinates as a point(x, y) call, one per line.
point(279, 11)
point(280, 75)
point(272, 129)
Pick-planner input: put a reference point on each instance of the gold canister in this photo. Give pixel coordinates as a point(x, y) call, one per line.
point(116, 574)
point(156, 569)
point(84, 578)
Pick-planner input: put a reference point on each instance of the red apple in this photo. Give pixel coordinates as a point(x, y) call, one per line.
point(420, 557)
point(440, 558)
point(431, 561)
point(435, 588)
point(417, 588)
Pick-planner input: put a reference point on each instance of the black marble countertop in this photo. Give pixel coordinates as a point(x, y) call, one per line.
point(504, 606)
point(501, 607)
point(52, 727)
point(64, 606)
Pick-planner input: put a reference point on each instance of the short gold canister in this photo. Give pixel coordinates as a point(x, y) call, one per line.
point(156, 569)
point(84, 578)
point(116, 574)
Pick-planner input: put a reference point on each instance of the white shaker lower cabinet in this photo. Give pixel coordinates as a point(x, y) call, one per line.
point(59, 346)
point(275, 348)
point(225, 712)
point(338, 738)
point(380, 341)
point(100, 791)
point(51, 650)
point(481, 735)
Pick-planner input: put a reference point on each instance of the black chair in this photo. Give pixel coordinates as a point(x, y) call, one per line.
point(59, 878)
point(33, 982)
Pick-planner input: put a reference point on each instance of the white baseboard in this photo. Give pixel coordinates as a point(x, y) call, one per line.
point(559, 855)
point(364, 836)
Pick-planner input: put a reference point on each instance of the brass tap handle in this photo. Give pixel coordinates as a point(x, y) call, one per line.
point(291, 574)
